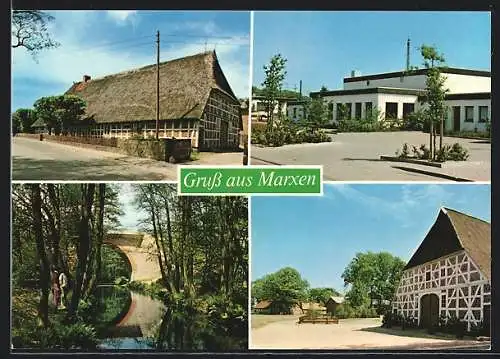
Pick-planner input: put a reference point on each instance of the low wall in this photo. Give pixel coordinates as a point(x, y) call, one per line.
point(148, 148)
point(143, 148)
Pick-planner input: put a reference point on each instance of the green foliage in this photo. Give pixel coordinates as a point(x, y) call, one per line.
point(404, 152)
point(413, 122)
point(317, 113)
point(455, 152)
point(372, 276)
point(275, 74)
point(115, 266)
point(285, 287)
point(321, 295)
point(22, 120)
point(286, 132)
point(346, 311)
point(58, 112)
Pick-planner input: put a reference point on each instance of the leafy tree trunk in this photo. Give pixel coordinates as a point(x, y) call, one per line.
point(434, 144)
point(441, 131)
point(83, 245)
point(431, 131)
point(158, 250)
point(96, 264)
point(43, 308)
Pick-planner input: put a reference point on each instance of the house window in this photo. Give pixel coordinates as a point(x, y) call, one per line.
point(407, 109)
point(349, 110)
point(330, 110)
point(428, 276)
point(367, 82)
point(357, 110)
point(469, 113)
point(391, 110)
point(339, 112)
point(294, 112)
point(368, 109)
point(483, 113)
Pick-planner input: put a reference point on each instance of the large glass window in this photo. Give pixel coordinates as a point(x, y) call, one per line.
point(349, 110)
point(391, 110)
point(469, 113)
point(483, 113)
point(357, 110)
point(408, 108)
point(368, 109)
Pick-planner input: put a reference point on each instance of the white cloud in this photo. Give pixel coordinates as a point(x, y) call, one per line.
point(121, 17)
point(206, 27)
point(68, 63)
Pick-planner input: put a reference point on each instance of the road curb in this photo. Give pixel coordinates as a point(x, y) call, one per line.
point(433, 174)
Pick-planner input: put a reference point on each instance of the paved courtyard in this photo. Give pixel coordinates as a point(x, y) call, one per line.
point(348, 334)
point(356, 157)
point(45, 160)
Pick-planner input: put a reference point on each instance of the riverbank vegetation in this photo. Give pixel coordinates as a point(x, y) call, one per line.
point(60, 226)
point(202, 251)
point(200, 245)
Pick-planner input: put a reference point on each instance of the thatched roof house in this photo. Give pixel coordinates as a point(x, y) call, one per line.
point(196, 101)
point(450, 272)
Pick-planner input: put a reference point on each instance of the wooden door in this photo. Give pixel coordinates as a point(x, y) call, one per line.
point(429, 310)
point(456, 118)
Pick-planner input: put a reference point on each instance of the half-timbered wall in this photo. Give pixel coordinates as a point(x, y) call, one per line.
point(180, 129)
point(220, 108)
point(462, 289)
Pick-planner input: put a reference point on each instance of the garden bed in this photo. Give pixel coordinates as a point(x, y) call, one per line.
point(411, 160)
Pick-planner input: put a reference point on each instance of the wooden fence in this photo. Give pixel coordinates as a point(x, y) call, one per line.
point(322, 319)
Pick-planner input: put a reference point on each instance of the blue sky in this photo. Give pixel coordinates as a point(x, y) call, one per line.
point(319, 236)
point(102, 42)
point(323, 47)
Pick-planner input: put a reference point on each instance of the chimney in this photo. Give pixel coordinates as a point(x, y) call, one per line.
point(86, 78)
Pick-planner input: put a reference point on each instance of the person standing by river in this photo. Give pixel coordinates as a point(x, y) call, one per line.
point(63, 283)
point(56, 289)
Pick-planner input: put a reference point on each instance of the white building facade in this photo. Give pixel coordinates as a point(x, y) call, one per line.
point(396, 94)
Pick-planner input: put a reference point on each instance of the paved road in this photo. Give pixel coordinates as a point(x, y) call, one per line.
point(356, 157)
point(348, 334)
point(36, 160)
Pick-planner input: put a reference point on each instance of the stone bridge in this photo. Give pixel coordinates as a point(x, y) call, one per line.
point(140, 250)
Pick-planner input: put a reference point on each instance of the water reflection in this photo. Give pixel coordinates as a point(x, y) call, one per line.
point(148, 325)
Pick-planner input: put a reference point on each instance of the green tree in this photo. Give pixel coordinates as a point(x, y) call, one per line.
point(275, 73)
point(58, 112)
point(317, 112)
point(435, 94)
point(284, 288)
point(29, 30)
point(372, 276)
point(22, 119)
point(321, 295)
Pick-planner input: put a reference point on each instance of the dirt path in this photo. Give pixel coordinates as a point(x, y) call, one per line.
point(348, 334)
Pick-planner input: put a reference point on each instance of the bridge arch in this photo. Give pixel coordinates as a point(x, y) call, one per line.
point(140, 250)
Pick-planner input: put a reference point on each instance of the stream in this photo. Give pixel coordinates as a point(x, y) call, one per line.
point(148, 324)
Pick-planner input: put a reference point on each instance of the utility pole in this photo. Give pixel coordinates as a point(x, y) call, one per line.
point(300, 88)
point(408, 55)
point(157, 83)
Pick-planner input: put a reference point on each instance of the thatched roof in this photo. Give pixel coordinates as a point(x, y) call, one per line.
point(454, 231)
point(263, 304)
point(185, 85)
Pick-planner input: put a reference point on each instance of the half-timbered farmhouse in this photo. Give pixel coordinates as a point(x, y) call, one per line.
point(450, 273)
point(195, 102)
